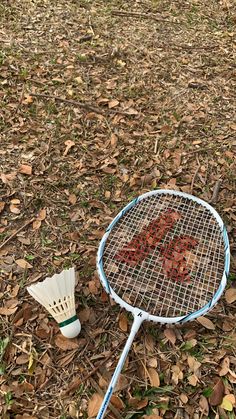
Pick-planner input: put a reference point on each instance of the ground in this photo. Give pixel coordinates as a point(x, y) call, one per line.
point(146, 100)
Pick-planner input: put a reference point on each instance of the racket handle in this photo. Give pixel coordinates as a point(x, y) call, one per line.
point(138, 319)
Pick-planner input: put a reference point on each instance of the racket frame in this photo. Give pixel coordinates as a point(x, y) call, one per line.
point(141, 315)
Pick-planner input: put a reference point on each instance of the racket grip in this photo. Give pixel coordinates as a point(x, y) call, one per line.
point(138, 319)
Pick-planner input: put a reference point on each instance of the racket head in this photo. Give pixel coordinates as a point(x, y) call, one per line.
point(187, 205)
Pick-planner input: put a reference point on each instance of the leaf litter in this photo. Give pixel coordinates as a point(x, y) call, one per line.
point(141, 103)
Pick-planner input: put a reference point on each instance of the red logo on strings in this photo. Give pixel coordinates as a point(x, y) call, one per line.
point(173, 254)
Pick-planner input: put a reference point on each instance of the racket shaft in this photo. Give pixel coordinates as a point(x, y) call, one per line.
point(135, 327)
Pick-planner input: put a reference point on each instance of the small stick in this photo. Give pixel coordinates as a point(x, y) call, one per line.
point(16, 232)
point(20, 100)
point(155, 148)
point(195, 175)
point(216, 191)
point(76, 103)
point(79, 381)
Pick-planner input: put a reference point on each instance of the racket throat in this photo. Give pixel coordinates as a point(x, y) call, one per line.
point(139, 317)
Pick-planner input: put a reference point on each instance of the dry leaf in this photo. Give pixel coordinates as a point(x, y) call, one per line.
point(8, 177)
point(68, 144)
point(68, 344)
point(42, 214)
point(28, 99)
point(14, 209)
point(107, 194)
point(207, 323)
point(203, 404)
point(230, 295)
point(170, 335)
point(113, 103)
point(194, 365)
point(218, 392)
point(117, 402)
point(225, 364)
point(84, 315)
point(93, 288)
point(94, 405)
point(123, 322)
point(2, 205)
point(36, 224)
point(113, 140)
point(193, 380)
point(153, 377)
point(152, 362)
point(152, 417)
point(78, 80)
point(184, 398)
point(7, 311)
point(177, 374)
point(72, 199)
point(23, 264)
point(25, 169)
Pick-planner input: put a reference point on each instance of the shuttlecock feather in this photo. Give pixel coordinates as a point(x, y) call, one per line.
point(57, 295)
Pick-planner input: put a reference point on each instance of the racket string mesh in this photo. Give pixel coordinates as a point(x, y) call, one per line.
point(146, 283)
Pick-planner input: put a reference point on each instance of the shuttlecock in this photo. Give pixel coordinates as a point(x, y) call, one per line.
point(57, 295)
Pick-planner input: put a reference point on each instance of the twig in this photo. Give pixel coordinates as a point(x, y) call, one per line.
point(216, 191)
point(20, 100)
point(195, 175)
point(143, 15)
point(155, 148)
point(16, 232)
point(80, 104)
point(77, 382)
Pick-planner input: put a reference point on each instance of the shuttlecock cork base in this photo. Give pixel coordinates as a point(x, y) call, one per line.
point(57, 295)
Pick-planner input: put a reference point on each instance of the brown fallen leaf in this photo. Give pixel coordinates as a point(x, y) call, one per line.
point(230, 295)
point(28, 99)
point(117, 402)
point(194, 365)
point(123, 322)
point(225, 364)
point(153, 377)
point(113, 103)
point(42, 214)
point(177, 374)
point(113, 140)
point(72, 199)
point(207, 323)
point(14, 209)
point(2, 205)
point(36, 224)
point(69, 344)
point(23, 264)
point(7, 311)
point(8, 178)
point(193, 380)
point(152, 362)
point(25, 169)
point(218, 392)
point(184, 398)
point(137, 403)
point(204, 406)
point(94, 404)
point(68, 144)
point(170, 335)
point(152, 417)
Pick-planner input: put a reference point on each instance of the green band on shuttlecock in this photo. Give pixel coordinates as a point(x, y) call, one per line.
point(68, 321)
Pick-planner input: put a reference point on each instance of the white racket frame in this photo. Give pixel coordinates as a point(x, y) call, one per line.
point(141, 315)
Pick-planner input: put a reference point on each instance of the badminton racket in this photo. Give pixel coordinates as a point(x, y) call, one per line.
point(165, 258)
